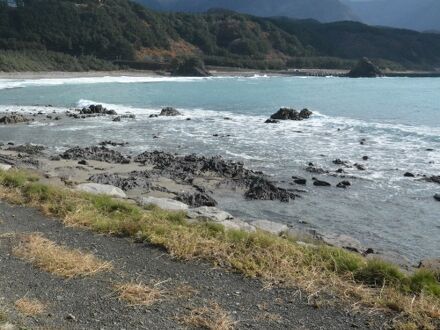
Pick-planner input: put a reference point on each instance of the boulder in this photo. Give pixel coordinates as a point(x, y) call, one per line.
point(270, 226)
point(409, 175)
point(237, 224)
point(365, 69)
point(5, 167)
point(169, 112)
point(437, 197)
point(101, 189)
point(291, 114)
point(13, 119)
point(342, 241)
point(163, 203)
point(209, 213)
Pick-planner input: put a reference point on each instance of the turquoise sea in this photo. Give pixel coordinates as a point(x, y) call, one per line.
point(399, 118)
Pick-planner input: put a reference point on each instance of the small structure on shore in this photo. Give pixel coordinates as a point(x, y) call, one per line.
point(365, 69)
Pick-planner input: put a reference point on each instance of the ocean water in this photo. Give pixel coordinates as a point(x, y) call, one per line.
point(399, 118)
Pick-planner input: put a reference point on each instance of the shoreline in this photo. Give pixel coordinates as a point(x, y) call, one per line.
point(214, 71)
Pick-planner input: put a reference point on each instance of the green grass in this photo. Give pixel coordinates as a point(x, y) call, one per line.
point(258, 254)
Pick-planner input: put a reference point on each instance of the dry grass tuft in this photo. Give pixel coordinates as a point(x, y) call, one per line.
point(59, 260)
point(183, 291)
point(211, 317)
point(30, 307)
point(138, 294)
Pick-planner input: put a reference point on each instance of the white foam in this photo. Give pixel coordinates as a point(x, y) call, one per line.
point(21, 83)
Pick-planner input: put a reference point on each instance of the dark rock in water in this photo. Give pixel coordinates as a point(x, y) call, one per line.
point(97, 109)
point(437, 197)
point(365, 69)
point(340, 170)
point(362, 141)
point(320, 183)
point(100, 153)
point(14, 119)
point(299, 180)
point(365, 158)
point(343, 184)
point(291, 114)
point(189, 67)
point(312, 168)
point(409, 175)
point(153, 116)
point(112, 143)
point(360, 167)
point(272, 121)
point(134, 180)
point(433, 179)
point(429, 149)
point(169, 112)
point(29, 149)
point(83, 162)
point(117, 118)
point(196, 199)
point(262, 189)
point(341, 162)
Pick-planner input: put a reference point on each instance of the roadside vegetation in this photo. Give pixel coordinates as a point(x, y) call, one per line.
point(415, 298)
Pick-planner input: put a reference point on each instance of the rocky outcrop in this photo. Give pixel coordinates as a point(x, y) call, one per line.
point(101, 189)
point(134, 180)
point(262, 189)
point(163, 203)
point(169, 112)
point(291, 114)
point(13, 119)
point(29, 149)
point(433, 179)
point(196, 199)
point(97, 109)
point(365, 69)
point(100, 153)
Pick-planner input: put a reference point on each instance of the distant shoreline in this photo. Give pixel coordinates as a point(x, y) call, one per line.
point(215, 71)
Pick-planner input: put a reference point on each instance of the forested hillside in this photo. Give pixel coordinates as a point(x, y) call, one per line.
point(322, 10)
point(96, 34)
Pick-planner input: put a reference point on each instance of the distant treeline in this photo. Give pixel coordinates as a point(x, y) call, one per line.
point(93, 34)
